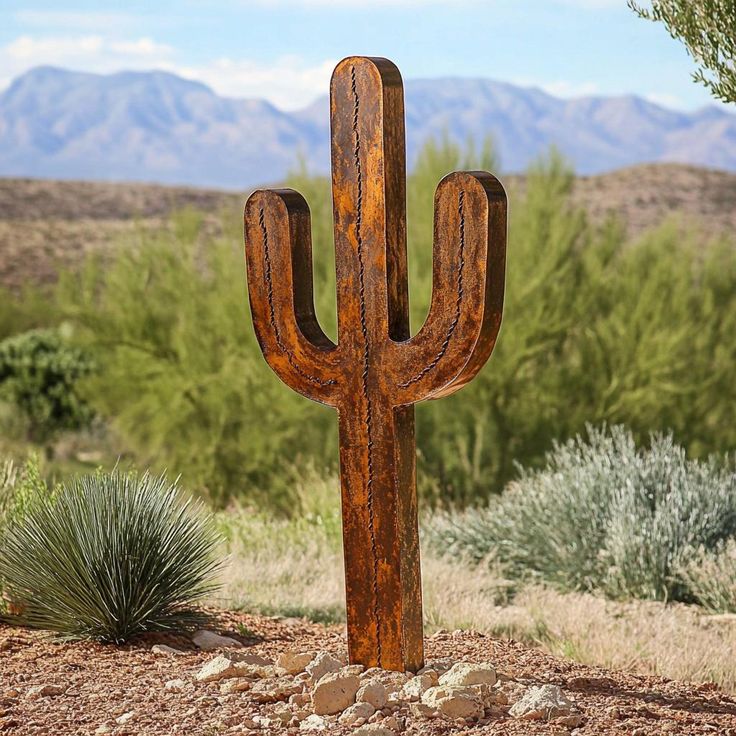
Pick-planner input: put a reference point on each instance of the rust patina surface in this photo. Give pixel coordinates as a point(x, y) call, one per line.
point(378, 370)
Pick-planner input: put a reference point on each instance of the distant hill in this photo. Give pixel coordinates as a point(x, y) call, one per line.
point(45, 224)
point(155, 126)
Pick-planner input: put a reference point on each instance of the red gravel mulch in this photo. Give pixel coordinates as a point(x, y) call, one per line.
point(100, 683)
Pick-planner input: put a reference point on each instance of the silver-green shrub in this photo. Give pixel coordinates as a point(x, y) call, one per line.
point(711, 576)
point(603, 515)
point(109, 556)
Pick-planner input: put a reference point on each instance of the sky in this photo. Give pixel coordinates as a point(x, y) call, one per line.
point(284, 50)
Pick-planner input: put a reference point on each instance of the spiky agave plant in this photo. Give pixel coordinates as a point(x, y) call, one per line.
point(111, 555)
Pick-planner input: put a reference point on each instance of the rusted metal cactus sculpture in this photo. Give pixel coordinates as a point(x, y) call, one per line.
point(378, 371)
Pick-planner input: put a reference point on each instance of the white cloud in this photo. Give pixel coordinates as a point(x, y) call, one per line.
point(77, 21)
point(563, 88)
point(288, 82)
point(665, 100)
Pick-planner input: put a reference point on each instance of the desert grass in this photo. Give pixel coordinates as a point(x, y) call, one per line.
point(295, 568)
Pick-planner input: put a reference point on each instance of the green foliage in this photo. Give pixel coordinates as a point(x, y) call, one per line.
point(603, 516)
point(597, 328)
point(711, 576)
point(110, 556)
point(21, 487)
point(708, 30)
point(39, 372)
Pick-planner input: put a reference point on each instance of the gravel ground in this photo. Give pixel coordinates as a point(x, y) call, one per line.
point(98, 684)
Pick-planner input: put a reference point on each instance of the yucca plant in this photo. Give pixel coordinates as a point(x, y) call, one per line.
point(109, 556)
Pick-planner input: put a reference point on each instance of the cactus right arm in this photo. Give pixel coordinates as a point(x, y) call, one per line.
point(279, 264)
point(467, 290)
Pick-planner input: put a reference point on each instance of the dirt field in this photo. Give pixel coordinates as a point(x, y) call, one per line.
point(44, 224)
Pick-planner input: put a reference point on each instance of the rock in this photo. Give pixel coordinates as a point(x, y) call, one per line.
point(236, 685)
point(271, 691)
point(392, 724)
point(294, 662)
point(217, 669)
point(373, 692)
point(300, 699)
point(422, 710)
point(175, 685)
point(466, 673)
point(576, 719)
point(45, 691)
point(416, 687)
point(358, 712)
point(125, 718)
point(209, 640)
point(313, 723)
point(454, 702)
point(373, 729)
point(440, 666)
point(164, 649)
point(334, 693)
point(250, 658)
point(103, 728)
point(542, 703)
point(322, 664)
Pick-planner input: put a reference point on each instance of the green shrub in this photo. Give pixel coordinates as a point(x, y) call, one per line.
point(39, 372)
point(603, 516)
point(109, 556)
point(598, 327)
point(711, 577)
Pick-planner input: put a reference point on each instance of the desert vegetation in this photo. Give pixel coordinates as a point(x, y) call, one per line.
point(578, 495)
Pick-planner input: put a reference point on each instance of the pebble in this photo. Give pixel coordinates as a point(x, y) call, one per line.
point(167, 650)
point(373, 692)
point(334, 692)
point(209, 640)
point(45, 691)
point(542, 704)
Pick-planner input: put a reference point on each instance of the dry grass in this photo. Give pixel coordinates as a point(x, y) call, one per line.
point(295, 569)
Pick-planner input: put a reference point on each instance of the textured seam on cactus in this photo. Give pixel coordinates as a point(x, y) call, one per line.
point(458, 301)
point(272, 311)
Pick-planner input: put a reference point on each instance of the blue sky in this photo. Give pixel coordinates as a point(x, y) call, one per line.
point(284, 50)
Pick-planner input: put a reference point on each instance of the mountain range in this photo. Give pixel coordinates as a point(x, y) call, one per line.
point(156, 126)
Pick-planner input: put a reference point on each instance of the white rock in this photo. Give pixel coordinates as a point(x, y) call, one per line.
point(416, 687)
point(103, 728)
point(209, 640)
point(542, 703)
point(466, 673)
point(313, 723)
point(334, 693)
point(125, 718)
point(440, 666)
point(294, 662)
point(175, 685)
point(359, 711)
point(167, 650)
point(373, 729)
point(321, 665)
point(373, 692)
point(217, 669)
point(236, 685)
point(422, 710)
point(271, 691)
point(454, 701)
point(45, 691)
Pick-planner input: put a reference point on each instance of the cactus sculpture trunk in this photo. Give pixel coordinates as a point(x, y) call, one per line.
point(378, 371)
